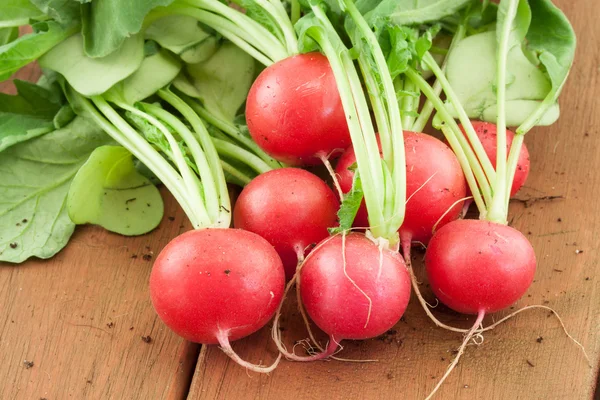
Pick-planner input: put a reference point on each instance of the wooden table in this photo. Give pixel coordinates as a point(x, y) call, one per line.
point(85, 322)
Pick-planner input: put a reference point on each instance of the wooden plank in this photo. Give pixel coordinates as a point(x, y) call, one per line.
point(528, 357)
point(80, 318)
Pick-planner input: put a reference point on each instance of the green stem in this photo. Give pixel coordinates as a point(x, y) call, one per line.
point(513, 161)
point(232, 131)
point(266, 55)
point(498, 211)
point(427, 109)
point(295, 11)
point(490, 173)
point(212, 157)
point(211, 197)
point(241, 179)
point(538, 114)
point(348, 102)
point(455, 135)
point(263, 39)
point(112, 123)
point(277, 11)
point(397, 162)
point(230, 150)
point(189, 177)
point(410, 104)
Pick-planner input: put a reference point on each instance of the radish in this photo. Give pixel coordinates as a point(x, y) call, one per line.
point(487, 132)
point(291, 208)
point(484, 266)
point(435, 186)
point(294, 111)
point(484, 257)
point(352, 289)
point(214, 286)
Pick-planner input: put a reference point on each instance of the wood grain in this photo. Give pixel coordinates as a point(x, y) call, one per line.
point(72, 326)
point(528, 357)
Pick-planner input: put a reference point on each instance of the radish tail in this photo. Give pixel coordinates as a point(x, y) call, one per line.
point(333, 175)
point(562, 324)
point(461, 350)
point(223, 339)
point(406, 242)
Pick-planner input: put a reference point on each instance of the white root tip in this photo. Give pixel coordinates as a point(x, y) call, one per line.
point(226, 347)
point(460, 352)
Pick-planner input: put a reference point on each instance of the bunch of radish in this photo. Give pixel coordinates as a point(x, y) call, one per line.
point(346, 245)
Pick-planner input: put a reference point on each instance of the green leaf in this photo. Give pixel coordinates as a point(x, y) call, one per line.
point(28, 114)
point(18, 12)
point(202, 51)
point(28, 48)
point(176, 33)
point(107, 23)
point(258, 14)
point(411, 12)
point(7, 35)
point(33, 190)
point(223, 81)
point(350, 205)
point(553, 40)
point(471, 70)
point(93, 76)
point(65, 12)
point(155, 72)
point(109, 191)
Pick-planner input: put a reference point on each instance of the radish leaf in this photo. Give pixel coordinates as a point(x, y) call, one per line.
point(107, 23)
point(109, 191)
point(35, 181)
point(69, 59)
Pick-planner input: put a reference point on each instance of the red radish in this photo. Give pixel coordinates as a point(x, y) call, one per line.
point(435, 186)
point(352, 289)
point(294, 111)
point(486, 132)
point(476, 265)
point(291, 208)
point(213, 286)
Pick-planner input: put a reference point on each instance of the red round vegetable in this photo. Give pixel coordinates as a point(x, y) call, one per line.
point(294, 111)
point(291, 208)
point(479, 266)
point(212, 286)
point(487, 132)
point(359, 300)
point(435, 184)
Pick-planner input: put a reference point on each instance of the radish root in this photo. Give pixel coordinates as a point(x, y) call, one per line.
point(336, 183)
point(406, 243)
point(352, 280)
point(223, 339)
point(461, 350)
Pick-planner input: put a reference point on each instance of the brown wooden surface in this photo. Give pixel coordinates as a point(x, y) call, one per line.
point(56, 312)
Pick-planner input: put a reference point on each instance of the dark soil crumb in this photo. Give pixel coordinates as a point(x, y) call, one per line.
point(28, 364)
point(587, 278)
point(25, 220)
point(530, 363)
point(43, 398)
point(89, 382)
point(134, 256)
point(539, 339)
point(147, 257)
point(227, 271)
point(557, 270)
point(171, 219)
point(13, 245)
point(443, 358)
point(131, 328)
point(390, 337)
point(146, 339)
point(390, 375)
point(576, 251)
point(110, 324)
